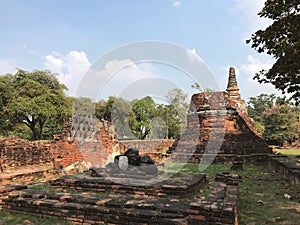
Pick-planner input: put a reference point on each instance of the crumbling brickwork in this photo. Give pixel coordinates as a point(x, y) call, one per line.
point(218, 120)
point(15, 153)
point(130, 205)
point(87, 139)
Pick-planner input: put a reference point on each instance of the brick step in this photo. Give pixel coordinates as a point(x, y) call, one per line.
point(94, 210)
point(181, 187)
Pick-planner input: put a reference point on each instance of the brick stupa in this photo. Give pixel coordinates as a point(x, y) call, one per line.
point(218, 123)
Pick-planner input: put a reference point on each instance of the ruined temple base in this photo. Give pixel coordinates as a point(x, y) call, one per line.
point(28, 174)
point(126, 205)
point(138, 184)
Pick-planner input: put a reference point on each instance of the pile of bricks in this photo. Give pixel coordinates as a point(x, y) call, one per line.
point(227, 178)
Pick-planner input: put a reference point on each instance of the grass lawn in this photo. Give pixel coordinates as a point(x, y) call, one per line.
point(288, 151)
point(261, 199)
point(20, 219)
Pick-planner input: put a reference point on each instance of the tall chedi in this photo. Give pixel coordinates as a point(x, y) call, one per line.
point(232, 86)
point(218, 119)
point(234, 92)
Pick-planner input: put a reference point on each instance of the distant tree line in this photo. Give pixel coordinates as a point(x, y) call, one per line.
point(276, 119)
point(33, 106)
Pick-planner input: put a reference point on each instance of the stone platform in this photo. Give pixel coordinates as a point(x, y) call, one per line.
point(218, 208)
point(137, 183)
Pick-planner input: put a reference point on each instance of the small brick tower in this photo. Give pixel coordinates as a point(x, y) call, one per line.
point(232, 87)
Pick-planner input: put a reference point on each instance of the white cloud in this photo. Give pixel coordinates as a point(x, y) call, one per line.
point(123, 74)
point(247, 10)
point(176, 4)
point(248, 71)
point(54, 64)
point(70, 67)
point(192, 55)
point(254, 65)
point(7, 66)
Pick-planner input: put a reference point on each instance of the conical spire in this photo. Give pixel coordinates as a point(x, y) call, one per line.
point(232, 83)
point(232, 87)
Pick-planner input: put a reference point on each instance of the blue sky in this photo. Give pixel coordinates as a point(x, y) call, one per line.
point(67, 37)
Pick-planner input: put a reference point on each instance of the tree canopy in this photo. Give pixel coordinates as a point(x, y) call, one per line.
point(275, 118)
point(33, 105)
point(281, 40)
point(35, 98)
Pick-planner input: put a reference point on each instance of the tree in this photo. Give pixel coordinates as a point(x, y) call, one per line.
point(281, 124)
point(169, 114)
point(83, 106)
point(178, 99)
point(257, 105)
point(275, 118)
point(144, 111)
point(36, 98)
point(281, 40)
point(5, 92)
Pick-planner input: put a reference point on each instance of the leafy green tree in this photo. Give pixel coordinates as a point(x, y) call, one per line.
point(119, 112)
point(170, 116)
point(36, 98)
point(281, 40)
point(122, 118)
point(178, 99)
point(257, 105)
point(104, 108)
point(275, 118)
point(144, 111)
point(281, 124)
point(6, 124)
point(82, 106)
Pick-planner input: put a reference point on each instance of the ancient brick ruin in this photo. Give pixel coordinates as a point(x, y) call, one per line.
point(171, 201)
point(215, 119)
point(218, 124)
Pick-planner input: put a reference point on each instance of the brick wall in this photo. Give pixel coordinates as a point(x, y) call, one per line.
point(15, 153)
point(146, 146)
point(88, 139)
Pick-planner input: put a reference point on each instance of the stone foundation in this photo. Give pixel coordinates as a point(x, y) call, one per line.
point(287, 167)
point(181, 186)
point(219, 208)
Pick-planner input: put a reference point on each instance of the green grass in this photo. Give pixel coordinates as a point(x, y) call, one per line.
point(189, 168)
point(20, 219)
point(288, 151)
point(44, 187)
point(259, 184)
